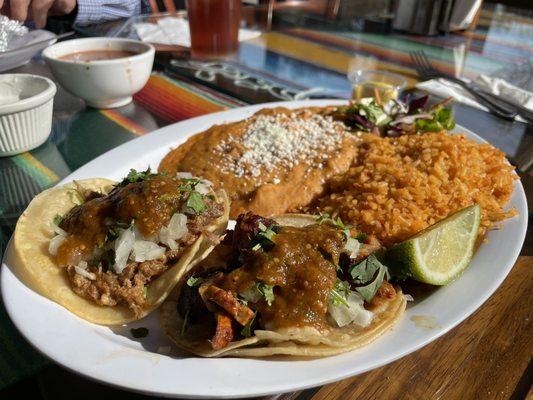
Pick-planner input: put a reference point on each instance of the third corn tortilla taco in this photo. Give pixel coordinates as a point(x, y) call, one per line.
point(294, 285)
point(111, 252)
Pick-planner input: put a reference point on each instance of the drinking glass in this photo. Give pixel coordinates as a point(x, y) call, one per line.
point(384, 84)
point(214, 27)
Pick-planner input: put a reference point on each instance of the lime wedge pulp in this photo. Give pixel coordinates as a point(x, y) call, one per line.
point(438, 254)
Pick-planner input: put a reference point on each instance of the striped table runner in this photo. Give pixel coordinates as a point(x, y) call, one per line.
point(305, 57)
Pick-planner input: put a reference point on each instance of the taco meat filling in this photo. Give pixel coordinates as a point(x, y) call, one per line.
point(114, 245)
point(322, 276)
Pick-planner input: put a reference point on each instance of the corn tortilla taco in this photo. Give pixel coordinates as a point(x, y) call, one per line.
point(293, 285)
point(112, 252)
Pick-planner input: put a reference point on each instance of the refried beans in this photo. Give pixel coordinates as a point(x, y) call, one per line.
point(271, 163)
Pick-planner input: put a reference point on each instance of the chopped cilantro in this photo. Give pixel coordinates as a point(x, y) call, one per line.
point(57, 219)
point(247, 330)
point(188, 184)
point(340, 293)
point(362, 237)
point(265, 237)
point(267, 291)
point(368, 275)
point(134, 176)
point(210, 197)
point(112, 234)
point(113, 231)
point(325, 217)
point(267, 233)
point(192, 281)
point(138, 333)
point(369, 291)
point(196, 202)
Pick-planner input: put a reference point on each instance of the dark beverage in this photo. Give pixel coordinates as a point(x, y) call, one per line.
point(214, 26)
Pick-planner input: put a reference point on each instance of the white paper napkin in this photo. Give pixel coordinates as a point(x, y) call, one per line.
point(497, 86)
point(175, 31)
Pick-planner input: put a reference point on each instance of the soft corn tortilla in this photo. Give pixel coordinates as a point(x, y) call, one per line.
point(288, 341)
point(36, 267)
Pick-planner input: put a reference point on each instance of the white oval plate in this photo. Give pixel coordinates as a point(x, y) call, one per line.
point(113, 356)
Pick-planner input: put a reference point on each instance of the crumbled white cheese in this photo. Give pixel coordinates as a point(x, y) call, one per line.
point(281, 141)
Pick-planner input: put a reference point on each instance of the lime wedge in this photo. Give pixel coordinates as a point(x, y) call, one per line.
point(439, 253)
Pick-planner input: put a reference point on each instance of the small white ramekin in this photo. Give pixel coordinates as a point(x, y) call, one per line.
point(26, 123)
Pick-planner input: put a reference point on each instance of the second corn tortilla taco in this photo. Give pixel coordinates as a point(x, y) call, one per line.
point(281, 331)
point(96, 291)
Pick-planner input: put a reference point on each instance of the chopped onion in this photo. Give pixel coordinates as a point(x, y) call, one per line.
point(352, 247)
point(81, 269)
point(143, 250)
point(55, 242)
point(176, 229)
point(58, 230)
point(123, 247)
point(408, 297)
point(204, 186)
point(353, 313)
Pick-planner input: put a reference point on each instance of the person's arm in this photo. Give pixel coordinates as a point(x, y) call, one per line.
point(95, 11)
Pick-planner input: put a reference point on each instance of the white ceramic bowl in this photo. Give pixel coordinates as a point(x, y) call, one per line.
point(104, 83)
point(26, 105)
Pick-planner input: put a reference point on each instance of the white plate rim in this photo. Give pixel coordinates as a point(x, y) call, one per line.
point(196, 125)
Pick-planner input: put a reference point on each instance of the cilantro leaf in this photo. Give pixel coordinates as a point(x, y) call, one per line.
point(364, 271)
point(247, 330)
point(113, 231)
point(267, 234)
point(368, 275)
point(257, 291)
point(196, 202)
point(267, 291)
point(326, 218)
point(340, 293)
point(369, 291)
point(134, 176)
point(188, 184)
point(112, 234)
point(192, 281)
point(265, 237)
point(361, 237)
point(57, 219)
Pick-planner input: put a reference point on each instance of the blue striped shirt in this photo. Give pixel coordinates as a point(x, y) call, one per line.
point(96, 11)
